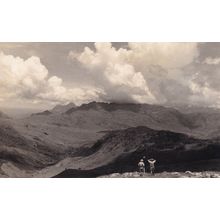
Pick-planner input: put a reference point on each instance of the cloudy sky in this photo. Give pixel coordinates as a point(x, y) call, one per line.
point(41, 75)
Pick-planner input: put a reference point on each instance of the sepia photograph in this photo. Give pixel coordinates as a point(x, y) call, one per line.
point(109, 110)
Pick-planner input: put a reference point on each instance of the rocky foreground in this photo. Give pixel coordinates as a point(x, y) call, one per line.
point(187, 174)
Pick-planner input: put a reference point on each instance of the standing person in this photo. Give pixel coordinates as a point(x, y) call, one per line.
point(152, 166)
point(141, 166)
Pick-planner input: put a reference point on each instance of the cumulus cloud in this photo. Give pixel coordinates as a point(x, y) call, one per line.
point(144, 72)
point(204, 95)
point(161, 73)
point(212, 61)
point(166, 55)
point(29, 80)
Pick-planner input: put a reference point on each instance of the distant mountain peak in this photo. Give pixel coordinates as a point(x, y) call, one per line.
point(3, 115)
point(108, 107)
point(63, 108)
point(43, 113)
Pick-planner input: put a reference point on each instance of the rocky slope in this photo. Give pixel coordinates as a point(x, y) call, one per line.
point(187, 174)
point(70, 132)
point(20, 154)
point(84, 125)
point(120, 151)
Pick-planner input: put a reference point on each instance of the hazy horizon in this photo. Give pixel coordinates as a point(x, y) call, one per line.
point(22, 112)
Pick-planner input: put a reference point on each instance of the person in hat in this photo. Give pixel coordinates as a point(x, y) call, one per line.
point(152, 166)
point(141, 166)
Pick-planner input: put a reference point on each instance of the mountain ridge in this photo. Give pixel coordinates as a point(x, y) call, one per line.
point(77, 132)
point(120, 151)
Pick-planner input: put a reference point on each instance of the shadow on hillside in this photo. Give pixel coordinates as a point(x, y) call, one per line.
point(198, 166)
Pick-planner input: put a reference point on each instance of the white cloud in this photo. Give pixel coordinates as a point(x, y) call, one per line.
point(145, 72)
point(212, 61)
point(166, 55)
point(204, 95)
point(29, 80)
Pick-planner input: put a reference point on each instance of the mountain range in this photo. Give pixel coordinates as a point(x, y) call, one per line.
point(98, 138)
